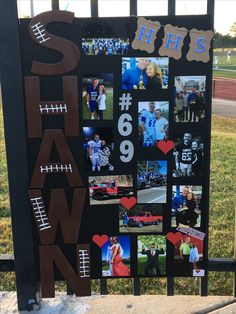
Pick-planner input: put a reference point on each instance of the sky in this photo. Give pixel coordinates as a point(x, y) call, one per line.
point(225, 10)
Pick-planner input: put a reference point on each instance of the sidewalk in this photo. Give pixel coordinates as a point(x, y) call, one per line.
point(224, 107)
point(117, 304)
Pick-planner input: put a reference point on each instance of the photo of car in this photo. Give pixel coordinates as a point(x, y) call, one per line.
point(109, 189)
point(145, 218)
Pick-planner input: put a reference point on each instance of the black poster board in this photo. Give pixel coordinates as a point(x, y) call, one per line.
point(62, 153)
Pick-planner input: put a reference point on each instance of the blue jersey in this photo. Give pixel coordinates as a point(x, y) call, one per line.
point(93, 92)
point(132, 78)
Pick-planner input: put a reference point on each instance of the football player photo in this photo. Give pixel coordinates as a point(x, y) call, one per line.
point(98, 149)
point(152, 122)
point(97, 96)
point(188, 156)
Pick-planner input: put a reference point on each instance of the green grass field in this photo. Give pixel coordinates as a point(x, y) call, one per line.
point(221, 225)
point(225, 69)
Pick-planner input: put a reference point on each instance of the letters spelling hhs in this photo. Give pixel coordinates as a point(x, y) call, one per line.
point(173, 40)
point(58, 211)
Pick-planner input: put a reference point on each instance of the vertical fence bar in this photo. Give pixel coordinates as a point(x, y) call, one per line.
point(137, 286)
point(170, 286)
point(234, 285)
point(204, 285)
point(171, 7)
point(133, 7)
point(103, 286)
point(15, 136)
point(211, 9)
point(55, 4)
point(94, 8)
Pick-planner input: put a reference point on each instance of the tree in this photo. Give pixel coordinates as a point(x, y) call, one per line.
point(233, 30)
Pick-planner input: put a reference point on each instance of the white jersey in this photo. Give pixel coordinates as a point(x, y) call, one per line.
point(148, 119)
point(160, 125)
point(95, 146)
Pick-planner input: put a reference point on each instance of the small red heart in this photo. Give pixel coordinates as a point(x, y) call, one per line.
point(165, 146)
point(197, 270)
point(128, 202)
point(174, 237)
point(100, 240)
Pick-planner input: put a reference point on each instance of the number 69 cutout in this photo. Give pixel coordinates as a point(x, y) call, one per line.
point(127, 149)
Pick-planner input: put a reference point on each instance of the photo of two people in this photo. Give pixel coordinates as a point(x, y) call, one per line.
point(145, 73)
point(188, 255)
point(97, 96)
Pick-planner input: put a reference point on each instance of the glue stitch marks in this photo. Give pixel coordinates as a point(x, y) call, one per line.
point(84, 262)
point(39, 32)
point(55, 168)
point(39, 213)
point(53, 109)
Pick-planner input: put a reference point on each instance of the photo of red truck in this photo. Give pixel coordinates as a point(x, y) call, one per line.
point(144, 219)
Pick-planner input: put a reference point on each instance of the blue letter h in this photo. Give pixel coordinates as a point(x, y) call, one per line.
point(171, 40)
point(148, 35)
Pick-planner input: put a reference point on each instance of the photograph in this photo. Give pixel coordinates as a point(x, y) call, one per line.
point(186, 206)
point(145, 73)
point(98, 149)
point(116, 257)
point(97, 96)
point(188, 255)
point(151, 255)
point(152, 122)
point(110, 189)
point(105, 46)
point(190, 98)
point(141, 219)
point(151, 181)
point(188, 156)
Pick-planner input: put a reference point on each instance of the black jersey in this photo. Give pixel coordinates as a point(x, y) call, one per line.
point(185, 153)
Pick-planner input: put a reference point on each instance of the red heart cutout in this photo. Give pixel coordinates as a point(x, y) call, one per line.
point(128, 202)
point(174, 237)
point(100, 240)
point(165, 146)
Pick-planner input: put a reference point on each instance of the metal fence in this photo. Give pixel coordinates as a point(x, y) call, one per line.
point(11, 79)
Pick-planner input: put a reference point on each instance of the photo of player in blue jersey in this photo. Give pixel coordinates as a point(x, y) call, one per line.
point(97, 96)
point(153, 122)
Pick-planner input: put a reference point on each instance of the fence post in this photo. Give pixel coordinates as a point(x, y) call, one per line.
point(15, 136)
